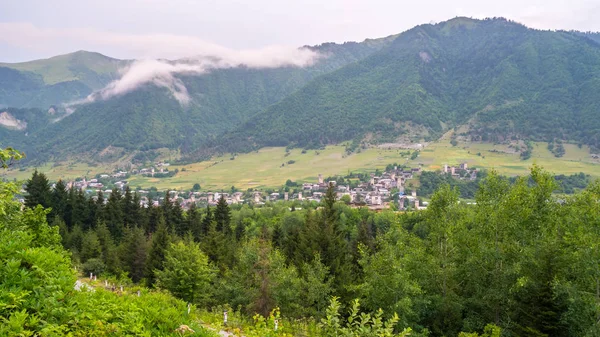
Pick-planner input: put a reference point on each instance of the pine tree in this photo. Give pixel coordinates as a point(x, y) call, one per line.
point(156, 256)
point(167, 206)
point(79, 215)
point(38, 191)
point(100, 201)
point(114, 215)
point(176, 217)
point(223, 216)
point(206, 222)
point(59, 199)
point(129, 209)
point(133, 253)
point(110, 256)
point(69, 208)
point(154, 214)
point(240, 230)
point(194, 223)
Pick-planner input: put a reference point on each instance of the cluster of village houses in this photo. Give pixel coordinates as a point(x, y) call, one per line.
point(461, 172)
point(376, 193)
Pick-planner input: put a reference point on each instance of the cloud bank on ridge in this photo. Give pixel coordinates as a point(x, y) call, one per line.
point(194, 56)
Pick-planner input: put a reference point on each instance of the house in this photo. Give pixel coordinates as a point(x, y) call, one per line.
point(384, 192)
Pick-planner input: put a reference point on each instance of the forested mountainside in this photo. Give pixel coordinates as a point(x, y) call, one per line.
point(149, 117)
point(497, 76)
point(493, 78)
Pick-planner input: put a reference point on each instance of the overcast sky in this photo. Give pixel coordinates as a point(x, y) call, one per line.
point(31, 29)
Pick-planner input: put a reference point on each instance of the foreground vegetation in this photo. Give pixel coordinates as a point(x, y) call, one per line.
point(518, 259)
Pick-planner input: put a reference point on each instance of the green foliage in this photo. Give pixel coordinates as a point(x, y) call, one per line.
point(37, 297)
point(358, 324)
point(513, 81)
point(8, 156)
point(186, 272)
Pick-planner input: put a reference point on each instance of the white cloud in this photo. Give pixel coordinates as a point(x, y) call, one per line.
point(199, 56)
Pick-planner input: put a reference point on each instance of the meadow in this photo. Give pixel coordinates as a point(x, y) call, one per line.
point(271, 167)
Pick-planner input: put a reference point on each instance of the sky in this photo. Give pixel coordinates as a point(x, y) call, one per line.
point(146, 29)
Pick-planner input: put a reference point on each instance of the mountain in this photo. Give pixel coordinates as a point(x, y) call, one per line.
point(150, 118)
point(490, 80)
point(60, 79)
point(498, 78)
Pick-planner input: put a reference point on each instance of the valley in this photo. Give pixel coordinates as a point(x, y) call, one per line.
point(269, 168)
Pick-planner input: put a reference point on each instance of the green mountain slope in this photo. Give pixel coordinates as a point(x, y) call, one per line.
point(92, 69)
point(500, 77)
point(60, 79)
point(151, 118)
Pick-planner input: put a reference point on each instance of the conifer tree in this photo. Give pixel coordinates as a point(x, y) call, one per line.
point(176, 218)
point(194, 222)
point(240, 230)
point(110, 256)
point(114, 215)
point(69, 209)
point(133, 253)
point(79, 215)
point(129, 208)
point(167, 206)
point(59, 199)
point(156, 255)
point(38, 191)
point(100, 216)
point(206, 222)
point(154, 214)
point(223, 216)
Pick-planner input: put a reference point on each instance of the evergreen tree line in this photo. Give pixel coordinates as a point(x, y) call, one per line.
point(518, 258)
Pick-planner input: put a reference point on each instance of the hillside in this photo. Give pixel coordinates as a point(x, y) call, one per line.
point(150, 118)
point(499, 77)
point(490, 80)
point(60, 79)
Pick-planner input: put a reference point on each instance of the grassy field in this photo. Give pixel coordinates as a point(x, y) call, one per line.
point(264, 168)
point(575, 159)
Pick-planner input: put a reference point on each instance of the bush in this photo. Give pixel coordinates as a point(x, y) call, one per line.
point(358, 324)
point(95, 266)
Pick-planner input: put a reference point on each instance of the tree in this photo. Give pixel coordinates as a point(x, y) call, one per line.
point(59, 199)
point(8, 156)
point(194, 222)
point(206, 222)
point(90, 247)
point(223, 216)
point(129, 208)
point(110, 256)
point(113, 214)
point(186, 273)
point(133, 253)
point(156, 256)
point(38, 191)
point(196, 187)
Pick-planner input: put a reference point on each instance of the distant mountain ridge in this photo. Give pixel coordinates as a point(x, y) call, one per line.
point(500, 78)
point(493, 79)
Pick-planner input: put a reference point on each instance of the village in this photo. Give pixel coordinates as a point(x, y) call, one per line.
point(376, 191)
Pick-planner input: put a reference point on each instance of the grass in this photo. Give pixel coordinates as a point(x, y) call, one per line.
point(59, 68)
point(575, 159)
point(264, 168)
